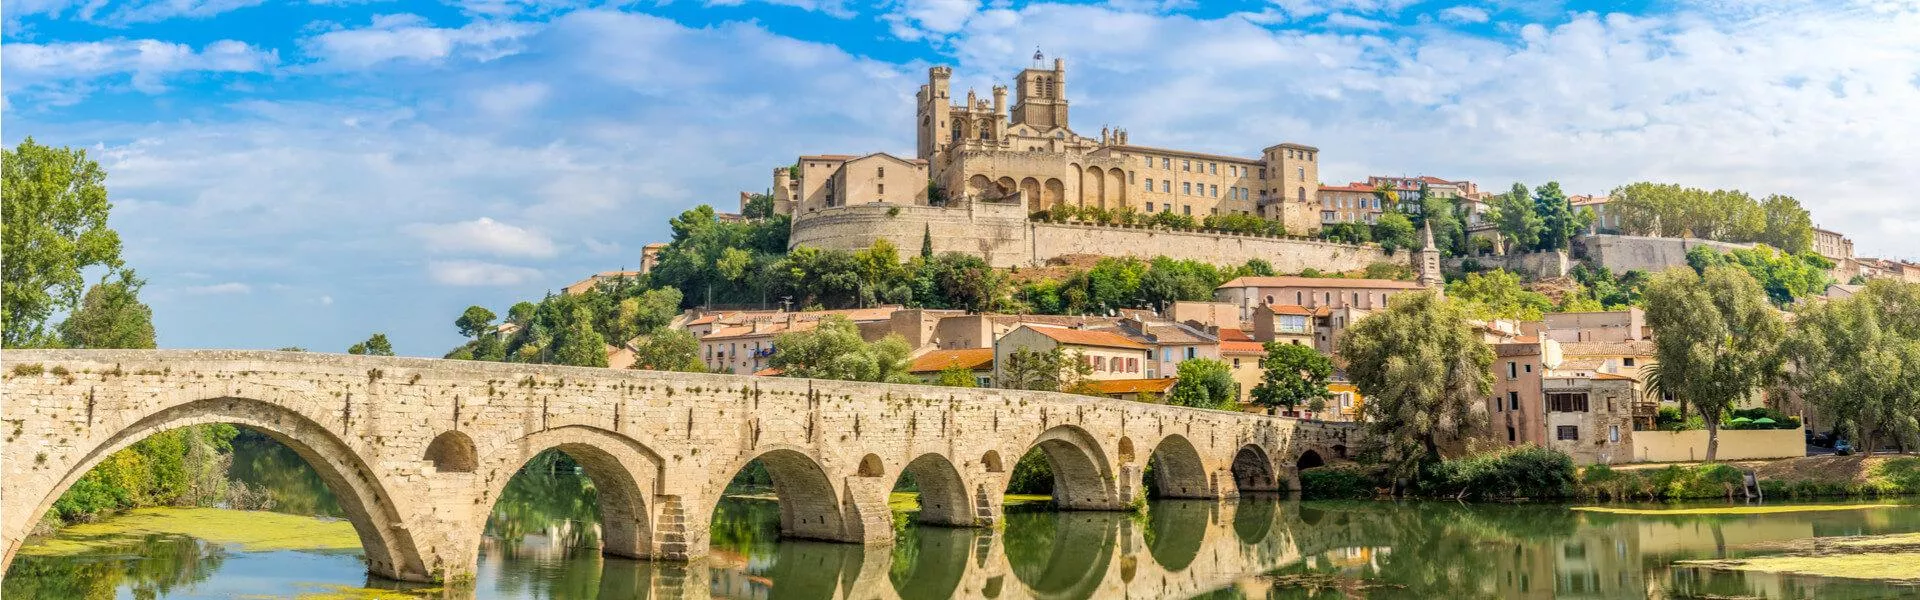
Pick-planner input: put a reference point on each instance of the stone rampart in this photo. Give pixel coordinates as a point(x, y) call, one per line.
point(1622, 253)
point(1002, 234)
point(1536, 265)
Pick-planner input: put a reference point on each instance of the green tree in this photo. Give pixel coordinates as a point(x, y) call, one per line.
point(1498, 294)
point(1395, 231)
point(1515, 216)
point(669, 350)
point(958, 281)
point(1785, 277)
point(1204, 383)
point(1718, 341)
point(1167, 281)
point(1292, 375)
point(643, 314)
point(834, 350)
point(1789, 226)
point(377, 345)
point(1858, 361)
point(111, 316)
point(758, 206)
point(475, 322)
point(1048, 371)
point(579, 344)
point(55, 226)
point(956, 376)
point(926, 241)
point(1422, 368)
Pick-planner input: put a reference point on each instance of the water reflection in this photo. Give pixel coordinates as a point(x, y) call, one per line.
point(543, 540)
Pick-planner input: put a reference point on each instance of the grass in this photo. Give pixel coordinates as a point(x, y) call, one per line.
point(1893, 566)
point(251, 531)
point(1730, 510)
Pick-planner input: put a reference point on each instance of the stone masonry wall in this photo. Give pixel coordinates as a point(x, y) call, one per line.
point(1622, 253)
point(662, 445)
point(1002, 235)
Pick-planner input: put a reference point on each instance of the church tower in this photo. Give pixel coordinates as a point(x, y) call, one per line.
point(1427, 263)
point(935, 130)
point(1042, 102)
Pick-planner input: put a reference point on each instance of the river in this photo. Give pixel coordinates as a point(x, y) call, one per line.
point(542, 537)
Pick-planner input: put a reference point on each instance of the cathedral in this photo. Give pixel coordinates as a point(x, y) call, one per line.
point(985, 151)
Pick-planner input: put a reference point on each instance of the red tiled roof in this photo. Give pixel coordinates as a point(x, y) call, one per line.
point(1082, 337)
point(1243, 348)
point(1318, 282)
point(1131, 386)
point(1235, 335)
point(972, 359)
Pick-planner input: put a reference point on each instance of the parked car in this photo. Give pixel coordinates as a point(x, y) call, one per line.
point(1843, 447)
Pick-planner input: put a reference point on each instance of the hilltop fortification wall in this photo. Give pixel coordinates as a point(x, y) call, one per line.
point(1002, 234)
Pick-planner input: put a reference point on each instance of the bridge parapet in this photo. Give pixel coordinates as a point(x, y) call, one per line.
point(419, 449)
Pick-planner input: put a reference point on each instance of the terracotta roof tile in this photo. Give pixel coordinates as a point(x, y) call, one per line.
point(1319, 282)
point(1631, 348)
point(1243, 348)
point(972, 359)
point(1235, 335)
point(1131, 386)
point(1082, 337)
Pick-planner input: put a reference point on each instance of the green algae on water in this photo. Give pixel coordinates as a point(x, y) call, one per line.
point(250, 531)
point(1730, 510)
point(1887, 566)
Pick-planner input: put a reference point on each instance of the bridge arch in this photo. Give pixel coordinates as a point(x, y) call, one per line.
point(1253, 470)
point(1178, 471)
point(1082, 477)
point(625, 474)
point(810, 503)
point(363, 497)
point(1308, 459)
point(943, 492)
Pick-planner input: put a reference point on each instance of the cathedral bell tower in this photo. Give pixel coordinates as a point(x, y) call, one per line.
point(1042, 95)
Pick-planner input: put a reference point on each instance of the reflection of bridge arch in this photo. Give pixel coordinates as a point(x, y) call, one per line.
point(1175, 530)
point(938, 561)
point(624, 475)
point(1071, 562)
point(364, 498)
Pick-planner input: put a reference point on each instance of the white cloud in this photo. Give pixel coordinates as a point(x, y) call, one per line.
point(1349, 21)
point(150, 11)
point(147, 63)
point(511, 99)
point(483, 235)
point(920, 19)
point(833, 8)
point(410, 38)
point(326, 300)
point(1464, 14)
point(231, 287)
point(477, 273)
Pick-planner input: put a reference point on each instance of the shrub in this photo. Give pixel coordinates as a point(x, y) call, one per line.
point(1896, 476)
point(1524, 472)
point(1704, 481)
point(1327, 483)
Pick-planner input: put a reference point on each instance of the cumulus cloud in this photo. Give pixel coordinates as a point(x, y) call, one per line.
point(511, 99)
point(483, 235)
point(833, 8)
point(231, 287)
point(146, 64)
point(921, 19)
point(477, 273)
point(411, 38)
point(150, 11)
point(1354, 22)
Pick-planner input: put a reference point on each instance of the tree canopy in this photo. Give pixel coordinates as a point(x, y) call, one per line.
point(1498, 294)
point(1671, 210)
point(833, 349)
point(1423, 368)
point(1204, 383)
point(1857, 360)
point(375, 345)
point(55, 227)
point(1785, 277)
point(110, 316)
point(1718, 341)
point(1292, 375)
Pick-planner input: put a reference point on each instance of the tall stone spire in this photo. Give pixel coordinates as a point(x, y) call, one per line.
point(1426, 266)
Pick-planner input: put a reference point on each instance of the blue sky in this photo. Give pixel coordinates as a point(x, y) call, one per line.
point(305, 173)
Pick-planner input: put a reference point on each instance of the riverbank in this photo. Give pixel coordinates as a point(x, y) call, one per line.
point(1891, 558)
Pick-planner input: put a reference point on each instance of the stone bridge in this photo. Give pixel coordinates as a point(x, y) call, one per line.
point(418, 450)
